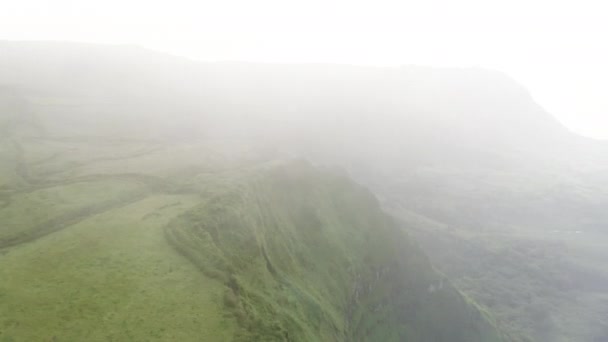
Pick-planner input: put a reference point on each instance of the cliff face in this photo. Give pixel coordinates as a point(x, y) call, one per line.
point(310, 256)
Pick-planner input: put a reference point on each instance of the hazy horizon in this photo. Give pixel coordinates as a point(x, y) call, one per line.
point(552, 48)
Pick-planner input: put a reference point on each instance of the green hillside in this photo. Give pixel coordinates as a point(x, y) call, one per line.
point(112, 238)
point(236, 252)
point(307, 256)
point(272, 253)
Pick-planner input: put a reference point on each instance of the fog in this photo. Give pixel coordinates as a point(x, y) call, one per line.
point(275, 171)
point(556, 48)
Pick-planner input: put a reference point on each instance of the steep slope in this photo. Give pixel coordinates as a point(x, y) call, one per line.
point(283, 253)
point(307, 256)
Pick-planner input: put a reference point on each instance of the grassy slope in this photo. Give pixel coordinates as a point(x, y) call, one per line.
point(8, 176)
point(286, 253)
point(309, 257)
point(110, 277)
point(85, 257)
point(85, 254)
point(34, 213)
point(324, 265)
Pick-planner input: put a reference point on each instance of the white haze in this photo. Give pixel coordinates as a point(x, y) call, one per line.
point(556, 48)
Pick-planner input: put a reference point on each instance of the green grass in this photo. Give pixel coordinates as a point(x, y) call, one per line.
point(8, 158)
point(308, 256)
point(111, 277)
point(30, 214)
point(104, 240)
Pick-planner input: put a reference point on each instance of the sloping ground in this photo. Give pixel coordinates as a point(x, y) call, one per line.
point(90, 235)
point(539, 285)
point(8, 156)
point(307, 256)
point(29, 215)
point(110, 277)
point(274, 252)
point(287, 254)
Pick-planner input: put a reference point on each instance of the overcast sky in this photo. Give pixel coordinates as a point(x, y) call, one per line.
point(558, 49)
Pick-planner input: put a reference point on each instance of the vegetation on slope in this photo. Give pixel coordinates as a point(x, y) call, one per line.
point(286, 253)
point(110, 277)
point(28, 215)
point(307, 256)
point(539, 285)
